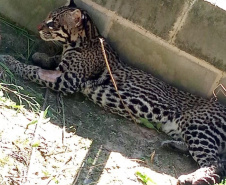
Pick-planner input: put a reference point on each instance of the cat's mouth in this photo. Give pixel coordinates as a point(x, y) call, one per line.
point(45, 35)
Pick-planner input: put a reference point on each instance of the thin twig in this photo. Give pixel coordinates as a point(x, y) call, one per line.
point(60, 109)
point(138, 161)
point(33, 104)
point(115, 85)
point(94, 166)
point(113, 80)
point(152, 157)
point(175, 172)
point(60, 171)
point(78, 174)
point(64, 122)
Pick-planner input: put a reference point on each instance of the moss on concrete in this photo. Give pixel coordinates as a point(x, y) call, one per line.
point(155, 16)
point(203, 34)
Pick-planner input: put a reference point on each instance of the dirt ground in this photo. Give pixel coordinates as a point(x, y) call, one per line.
point(97, 147)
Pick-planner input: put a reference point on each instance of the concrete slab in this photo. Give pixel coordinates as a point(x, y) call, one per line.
point(164, 61)
point(155, 16)
point(203, 34)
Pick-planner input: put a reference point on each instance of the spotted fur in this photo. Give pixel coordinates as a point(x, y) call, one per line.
point(197, 124)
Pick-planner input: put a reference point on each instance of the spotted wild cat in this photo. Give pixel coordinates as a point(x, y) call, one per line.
point(195, 124)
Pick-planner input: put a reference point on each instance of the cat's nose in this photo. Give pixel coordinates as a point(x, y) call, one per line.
point(40, 26)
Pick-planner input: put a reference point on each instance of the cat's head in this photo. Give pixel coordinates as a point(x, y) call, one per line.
point(67, 24)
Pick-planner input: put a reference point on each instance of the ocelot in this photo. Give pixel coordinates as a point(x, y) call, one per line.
point(195, 124)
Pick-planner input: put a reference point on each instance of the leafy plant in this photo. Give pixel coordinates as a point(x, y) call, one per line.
point(31, 123)
point(155, 126)
point(36, 144)
point(45, 112)
point(46, 173)
point(145, 179)
point(4, 161)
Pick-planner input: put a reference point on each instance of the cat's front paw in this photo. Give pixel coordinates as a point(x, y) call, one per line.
point(40, 58)
point(202, 176)
point(44, 61)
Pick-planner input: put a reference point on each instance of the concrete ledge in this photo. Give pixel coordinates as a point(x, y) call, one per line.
point(163, 60)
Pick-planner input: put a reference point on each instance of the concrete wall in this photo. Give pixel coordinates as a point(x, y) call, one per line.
point(181, 42)
point(26, 12)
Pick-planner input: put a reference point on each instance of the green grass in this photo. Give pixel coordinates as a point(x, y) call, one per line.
point(21, 32)
point(148, 124)
point(15, 96)
point(223, 182)
point(12, 96)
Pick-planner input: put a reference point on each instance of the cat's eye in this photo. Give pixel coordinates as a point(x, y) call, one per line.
point(50, 24)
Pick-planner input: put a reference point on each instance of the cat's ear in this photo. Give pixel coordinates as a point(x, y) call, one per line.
point(72, 4)
point(76, 16)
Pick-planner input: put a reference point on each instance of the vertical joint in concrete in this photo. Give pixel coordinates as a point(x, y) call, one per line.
point(180, 21)
point(108, 27)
